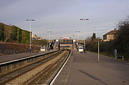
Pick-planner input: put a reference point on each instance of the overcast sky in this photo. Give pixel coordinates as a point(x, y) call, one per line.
point(62, 17)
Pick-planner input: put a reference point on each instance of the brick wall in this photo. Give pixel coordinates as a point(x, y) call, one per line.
point(13, 48)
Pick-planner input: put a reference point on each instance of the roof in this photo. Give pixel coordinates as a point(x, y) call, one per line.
point(111, 32)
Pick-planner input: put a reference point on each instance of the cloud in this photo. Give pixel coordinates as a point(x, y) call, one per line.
point(63, 16)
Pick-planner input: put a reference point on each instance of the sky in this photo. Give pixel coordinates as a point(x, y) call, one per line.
point(61, 18)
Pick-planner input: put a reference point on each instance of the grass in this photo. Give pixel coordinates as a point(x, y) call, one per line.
point(107, 54)
point(110, 55)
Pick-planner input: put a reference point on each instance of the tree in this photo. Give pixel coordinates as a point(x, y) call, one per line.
point(91, 44)
point(93, 36)
point(121, 42)
point(2, 32)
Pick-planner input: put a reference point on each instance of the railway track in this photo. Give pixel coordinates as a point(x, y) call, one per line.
point(39, 70)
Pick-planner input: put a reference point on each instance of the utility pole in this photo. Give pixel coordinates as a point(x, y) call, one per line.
point(98, 51)
point(77, 38)
point(49, 35)
point(30, 20)
point(84, 39)
point(49, 38)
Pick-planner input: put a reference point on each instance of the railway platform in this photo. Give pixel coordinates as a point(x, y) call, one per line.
point(6, 58)
point(83, 69)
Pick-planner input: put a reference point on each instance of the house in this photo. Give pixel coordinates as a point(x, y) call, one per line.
point(35, 37)
point(111, 35)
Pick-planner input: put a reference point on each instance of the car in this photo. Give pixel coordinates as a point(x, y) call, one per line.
point(80, 49)
point(42, 49)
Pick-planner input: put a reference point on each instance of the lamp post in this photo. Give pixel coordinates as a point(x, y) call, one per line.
point(30, 20)
point(77, 35)
point(84, 39)
point(49, 38)
point(98, 50)
point(49, 33)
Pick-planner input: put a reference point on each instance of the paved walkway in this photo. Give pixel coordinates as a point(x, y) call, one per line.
point(6, 58)
point(83, 69)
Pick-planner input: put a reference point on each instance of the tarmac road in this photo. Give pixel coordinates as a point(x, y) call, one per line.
point(83, 69)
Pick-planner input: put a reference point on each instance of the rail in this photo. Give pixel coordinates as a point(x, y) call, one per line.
point(49, 65)
point(21, 59)
point(51, 82)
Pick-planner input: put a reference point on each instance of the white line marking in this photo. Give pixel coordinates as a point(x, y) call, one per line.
point(25, 58)
point(53, 80)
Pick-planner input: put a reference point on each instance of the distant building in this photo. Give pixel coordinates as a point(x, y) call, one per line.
point(35, 37)
point(110, 35)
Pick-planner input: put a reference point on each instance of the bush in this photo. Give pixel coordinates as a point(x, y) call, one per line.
point(91, 45)
point(122, 41)
point(105, 47)
point(40, 42)
point(2, 32)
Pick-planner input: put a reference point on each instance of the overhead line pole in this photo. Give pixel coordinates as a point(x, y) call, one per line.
point(30, 20)
point(84, 39)
point(98, 51)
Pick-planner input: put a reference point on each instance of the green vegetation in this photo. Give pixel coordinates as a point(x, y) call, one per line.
point(106, 48)
point(40, 42)
point(2, 32)
point(121, 43)
point(19, 35)
point(25, 36)
point(13, 34)
point(93, 36)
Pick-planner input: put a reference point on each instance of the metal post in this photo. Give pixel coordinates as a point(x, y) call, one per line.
point(84, 46)
point(49, 39)
point(115, 53)
point(30, 37)
point(98, 51)
point(84, 39)
point(48, 36)
point(77, 35)
point(30, 20)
